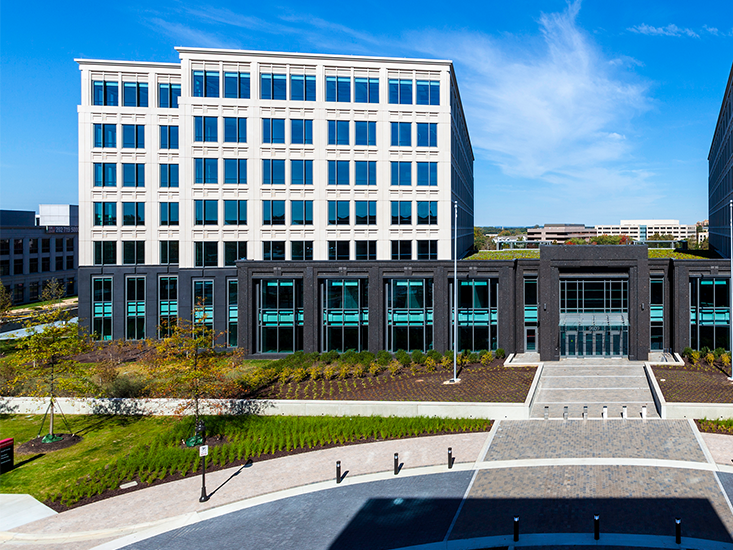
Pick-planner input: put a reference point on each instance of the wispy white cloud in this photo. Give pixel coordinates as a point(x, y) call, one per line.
point(669, 30)
point(190, 36)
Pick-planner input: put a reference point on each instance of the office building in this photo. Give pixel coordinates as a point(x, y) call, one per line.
point(720, 176)
point(559, 232)
point(186, 168)
point(642, 230)
point(35, 249)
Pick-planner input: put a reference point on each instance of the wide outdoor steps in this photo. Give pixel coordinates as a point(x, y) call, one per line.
point(593, 383)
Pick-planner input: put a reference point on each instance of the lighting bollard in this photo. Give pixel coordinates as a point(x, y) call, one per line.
point(596, 527)
point(547, 412)
point(203, 452)
point(623, 411)
point(396, 463)
point(565, 413)
point(585, 412)
point(338, 471)
point(678, 531)
point(604, 412)
point(450, 457)
point(643, 412)
point(516, 528)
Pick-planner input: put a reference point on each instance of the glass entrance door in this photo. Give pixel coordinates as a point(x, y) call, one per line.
point(530, 339)
point(571, 338)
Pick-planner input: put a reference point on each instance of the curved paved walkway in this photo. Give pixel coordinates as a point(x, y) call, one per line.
point(638, 475)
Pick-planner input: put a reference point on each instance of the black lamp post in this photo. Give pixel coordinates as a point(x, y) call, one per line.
point(201, 430)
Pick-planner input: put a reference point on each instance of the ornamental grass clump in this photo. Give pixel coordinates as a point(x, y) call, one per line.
point(487, 358)
point(430, 364)
point(375, 369)
point(725, 359)
point(394, 367)
point(710, 359)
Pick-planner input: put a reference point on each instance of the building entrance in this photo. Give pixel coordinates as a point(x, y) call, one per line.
point(586, 341)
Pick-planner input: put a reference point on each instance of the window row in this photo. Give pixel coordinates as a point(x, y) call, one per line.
point(206, 253)
point(133, 136)
point(206, 129)
point(33, 245)
point(36, 265)
point(206, 171)
point(134, 94)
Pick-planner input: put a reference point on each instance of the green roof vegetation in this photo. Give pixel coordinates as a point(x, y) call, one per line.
point(654, 253)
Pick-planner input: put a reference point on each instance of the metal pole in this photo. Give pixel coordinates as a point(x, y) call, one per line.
point(730, 284)
point(201, 428)
point(455, 290)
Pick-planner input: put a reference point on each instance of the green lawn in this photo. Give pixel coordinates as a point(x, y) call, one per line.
point(116, 449)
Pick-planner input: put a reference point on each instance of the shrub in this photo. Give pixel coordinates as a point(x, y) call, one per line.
point(403, 357)
point(375, 369)
point(315, 373)
point(299, 375)
point(725, 359)
point(349, 358)
point(127, 386)
point(414, 369)
point(695, 357)
point(329, 373)
point(449, 354)
point(343, 372)
point(500, 353)
point(384, 358)
point(710, 359)
point(487, 358)
point(329, 356)
point(462, 359)
point(474, 357)
point(394, 367)
point(365, 358)
point(418, 357)
point(358, 371)
point(687, 353)
point(447, 362)
point(430, 364)
point(718, 352)
point(284, 376)
point(435, 355)
point(704, 351)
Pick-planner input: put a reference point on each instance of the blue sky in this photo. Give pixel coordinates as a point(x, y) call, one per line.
point(578, 112)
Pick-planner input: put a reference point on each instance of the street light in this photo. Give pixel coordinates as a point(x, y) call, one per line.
point(455, 291)
point(730, 285)
point(203, 451)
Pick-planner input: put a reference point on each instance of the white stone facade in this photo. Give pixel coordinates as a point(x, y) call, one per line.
point(452, 152)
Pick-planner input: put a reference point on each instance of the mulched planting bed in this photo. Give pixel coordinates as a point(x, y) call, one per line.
point(494, 383)
point(58, 507)
point(714, 427)
point(701, 383)
point(36, 445)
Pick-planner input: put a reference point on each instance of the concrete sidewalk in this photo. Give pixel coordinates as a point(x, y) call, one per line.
point(110, 519)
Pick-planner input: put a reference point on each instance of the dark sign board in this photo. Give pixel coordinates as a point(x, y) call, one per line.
point(6, 455)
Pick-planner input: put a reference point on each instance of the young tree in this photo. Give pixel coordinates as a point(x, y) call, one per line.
point(44, 359)
point(6, 303)
point(479, 239)
point(185, 365)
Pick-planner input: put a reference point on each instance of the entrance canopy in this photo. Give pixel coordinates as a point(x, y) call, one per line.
point(600, 320)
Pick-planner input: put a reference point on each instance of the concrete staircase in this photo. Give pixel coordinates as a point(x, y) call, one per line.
point(593, 383)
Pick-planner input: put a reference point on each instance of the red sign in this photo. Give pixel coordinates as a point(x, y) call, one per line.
point(6, 443)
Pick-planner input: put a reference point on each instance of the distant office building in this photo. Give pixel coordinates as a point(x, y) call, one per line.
point(642, 230)
point(35, 249)
point(720, 176)
point(559, 232)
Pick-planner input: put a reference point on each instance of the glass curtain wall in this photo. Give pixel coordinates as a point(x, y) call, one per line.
point(409, 323)
point(279, 315)
point(135, 298)
point(203, 303)
point(656, 314)
point(102, 308)
point(232, 312)
point(709, 313)
point(594, 317)
point(530, 314)
point(477, 314)
point(345, 306)
point(167, 305)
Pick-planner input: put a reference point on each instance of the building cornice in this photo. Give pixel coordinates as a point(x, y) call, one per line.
point(127, 64)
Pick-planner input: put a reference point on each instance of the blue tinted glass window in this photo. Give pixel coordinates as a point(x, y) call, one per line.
point(164, 175)
point(198, 170)
point(278, 212)
point(98, 141)
point(173, 175)
point(278, 130)
point(140, 136)
point(110, 135)
point(110, 174)
point(110, 93)
point(427, 134)
point(212, 84)
point(198, 128)
point(332, 132)
point(231, 85)
point(401, 134)
point(422, 92)
point(342, 173)
point(296, 131)
point(98, 175)
point(210, 129)
point(373, 90)
point(342, 130)
point(401, 173)
point(330, 88)
point(133, 175)
point(434, 92)
point(296, 212)
point(297, 87)
point(242, 130)
point(98, 92)
point(361, 90)
point(175, 94)
point(279, 86)
point(129, 94)
point(366, 172)
point(265, 86)
point(310, 87)
point(427, 173)
point(296, 172)
point(235, 170)
point(278, 172)
point(230, 130)
point(164, 95)
point(406, 92)
point(394, 90)
point(198, 83)
point(343, 89)
point(173, 130)
point(244, 85)
point(343, 213)
point(211, 174)
point(366, 132)
point(266, 130)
